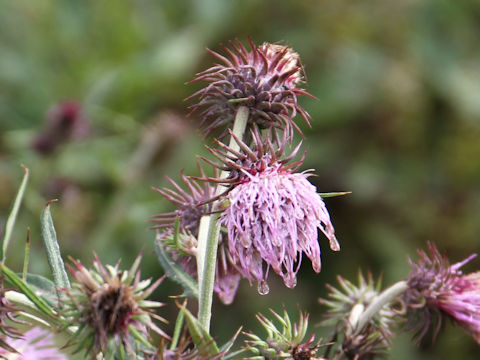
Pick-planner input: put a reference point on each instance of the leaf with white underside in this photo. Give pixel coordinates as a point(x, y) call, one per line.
point(53, 250)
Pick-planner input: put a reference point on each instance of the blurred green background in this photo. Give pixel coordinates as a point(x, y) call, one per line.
point(397, 122)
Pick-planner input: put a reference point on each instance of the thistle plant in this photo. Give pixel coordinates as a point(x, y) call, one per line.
point(254, 212)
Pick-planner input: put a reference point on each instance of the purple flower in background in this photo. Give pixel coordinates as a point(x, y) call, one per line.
point(64, 122)
point(264, 79)
point(438, 289)
point(35, 344)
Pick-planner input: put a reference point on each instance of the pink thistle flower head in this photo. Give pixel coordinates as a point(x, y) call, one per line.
point(273, 214)
point(264, 79)
point(36, 343)
point(438, 290)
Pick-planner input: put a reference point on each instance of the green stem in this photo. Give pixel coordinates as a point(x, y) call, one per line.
point(208, 235)
point(380, 301)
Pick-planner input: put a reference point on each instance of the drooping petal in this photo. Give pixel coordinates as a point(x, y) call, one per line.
point(273, 218)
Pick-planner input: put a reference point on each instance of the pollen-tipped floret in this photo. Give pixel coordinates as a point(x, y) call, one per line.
point(264, 79)
point(110, 309)
point(438, 290)
point(273, 214)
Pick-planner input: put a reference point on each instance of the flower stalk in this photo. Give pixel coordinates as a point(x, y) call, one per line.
point(389, 295)
point(209, 232)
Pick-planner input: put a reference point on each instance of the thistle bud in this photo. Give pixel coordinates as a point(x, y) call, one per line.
point(345, 306)
point(110, 309)
point(284, 342)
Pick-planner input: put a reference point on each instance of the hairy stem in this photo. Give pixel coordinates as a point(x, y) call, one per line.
point(208, 235)
point(380, 301)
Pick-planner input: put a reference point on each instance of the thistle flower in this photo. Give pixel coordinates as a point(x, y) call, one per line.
point(36, 343)
point(264, 79)
point(284, 342)
point(273, 214)
point(109, 308)
point(192, 204)
point(438, 290)
point(368, 344)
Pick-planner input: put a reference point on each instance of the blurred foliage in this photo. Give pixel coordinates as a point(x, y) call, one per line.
point(397, 122)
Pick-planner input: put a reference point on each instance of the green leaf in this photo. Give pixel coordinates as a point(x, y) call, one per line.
point(201, 338)
point(23, 287)
point(225, 348)
point(53, 250)
point(333, 194)
point(178, 328)
point(175, 272)
point(43, 287)
point(13, 215)
point(234, 354)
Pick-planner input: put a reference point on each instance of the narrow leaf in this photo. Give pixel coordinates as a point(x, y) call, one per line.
point(13, 215)
point(53, 250)
point(178, 328)
point(225, 348)
point(23, 287)
point(333, 194)
point(175, 272)
point(43, 287)
point(201, 338)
